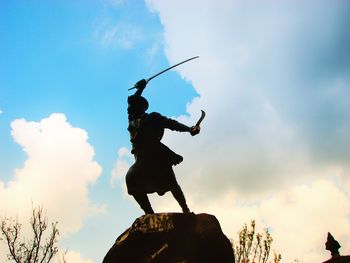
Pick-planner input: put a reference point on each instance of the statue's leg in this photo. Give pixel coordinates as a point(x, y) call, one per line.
point(143, 201)
point(180, 198)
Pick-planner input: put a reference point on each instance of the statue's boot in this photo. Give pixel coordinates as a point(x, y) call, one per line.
point(180, 198)
point(143, 201)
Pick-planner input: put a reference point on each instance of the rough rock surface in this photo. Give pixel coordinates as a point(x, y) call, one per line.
point(339, 259)
point(172, 237)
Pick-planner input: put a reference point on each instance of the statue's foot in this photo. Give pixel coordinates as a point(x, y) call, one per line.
point(148, 210)
point(186, 210)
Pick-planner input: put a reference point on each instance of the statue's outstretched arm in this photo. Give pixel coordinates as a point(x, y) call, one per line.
point(178, 126)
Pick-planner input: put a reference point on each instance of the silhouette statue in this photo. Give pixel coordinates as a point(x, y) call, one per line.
point(152, 170)
point(332, 245)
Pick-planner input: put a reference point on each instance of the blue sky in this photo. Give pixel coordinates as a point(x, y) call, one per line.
point(272, 77)
point(55, 58)
point(55, 61)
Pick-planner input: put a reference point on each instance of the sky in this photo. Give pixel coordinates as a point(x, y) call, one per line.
point(273, 78)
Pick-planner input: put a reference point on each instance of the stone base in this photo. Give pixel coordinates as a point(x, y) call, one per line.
point(172, 237)
point(339, 259)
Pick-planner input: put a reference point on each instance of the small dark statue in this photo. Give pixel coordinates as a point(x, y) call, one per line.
point(152, 171)
point(332, 245)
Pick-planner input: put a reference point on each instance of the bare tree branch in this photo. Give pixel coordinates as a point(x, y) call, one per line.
point(34, 250)
point(254, 247)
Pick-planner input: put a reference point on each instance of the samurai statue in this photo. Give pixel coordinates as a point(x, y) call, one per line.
point(152, 171)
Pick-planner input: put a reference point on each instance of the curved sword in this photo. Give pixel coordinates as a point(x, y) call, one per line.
point(165, 70)
point(197, 126)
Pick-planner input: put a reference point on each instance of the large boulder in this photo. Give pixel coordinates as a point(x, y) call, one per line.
point(172, 237)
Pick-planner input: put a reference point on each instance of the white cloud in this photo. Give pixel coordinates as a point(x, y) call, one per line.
point(75, 257)
point(115, 3)
point(273, 80)
point(298, 217)
point(306, 214)
point(120, 34)
point(124, 161)
point(56, 174)
point(276, 109)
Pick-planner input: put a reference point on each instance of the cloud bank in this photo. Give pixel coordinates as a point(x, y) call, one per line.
point(124, 160)
point(56, 174)
point(74, 257)
point(274, 85)
point(274, 80)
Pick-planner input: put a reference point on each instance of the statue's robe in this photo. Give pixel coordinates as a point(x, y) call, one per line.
point(152, 170)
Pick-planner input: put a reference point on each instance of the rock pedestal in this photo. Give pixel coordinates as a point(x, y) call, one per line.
point(339, 259)
point(172, 237)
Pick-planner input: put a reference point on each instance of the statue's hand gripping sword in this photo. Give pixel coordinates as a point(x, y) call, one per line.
point(196, 128)
point(165, 70)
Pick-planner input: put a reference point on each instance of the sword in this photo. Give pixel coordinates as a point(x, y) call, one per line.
point(196, 128)
point(165, 70)
point(200, 119)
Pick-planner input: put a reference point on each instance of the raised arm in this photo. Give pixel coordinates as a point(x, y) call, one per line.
point(140, 86)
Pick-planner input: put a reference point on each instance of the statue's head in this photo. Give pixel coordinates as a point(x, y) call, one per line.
point(332, 245)
point(137, 105)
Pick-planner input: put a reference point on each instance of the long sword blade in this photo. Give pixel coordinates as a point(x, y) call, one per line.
point(165, 70)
